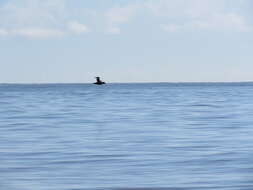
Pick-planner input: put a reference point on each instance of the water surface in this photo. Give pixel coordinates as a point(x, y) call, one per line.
point(183, 136)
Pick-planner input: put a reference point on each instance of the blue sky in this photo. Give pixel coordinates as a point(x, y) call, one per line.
point(65, 41)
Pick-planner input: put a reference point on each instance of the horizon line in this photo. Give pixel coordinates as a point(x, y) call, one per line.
point(41, 83)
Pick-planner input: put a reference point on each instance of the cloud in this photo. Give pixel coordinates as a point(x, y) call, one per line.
point(171, 27)
point(53, 18)
point(32, 32)
point(121, 14)
point(114, 30)
point(219, 22)
point(77, 27)
point(229, 21)
point(3, 32)
point(200, 15)
point(17, 13)
point(37, 32)
point(38, 19)
point(183, 15)
point(117, 16)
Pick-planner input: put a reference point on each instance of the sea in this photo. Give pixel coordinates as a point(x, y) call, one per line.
point(138, 136)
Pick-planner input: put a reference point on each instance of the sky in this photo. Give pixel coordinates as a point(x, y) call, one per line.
point(72, 41)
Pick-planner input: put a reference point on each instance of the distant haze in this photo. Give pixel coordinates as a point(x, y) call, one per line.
point(65, 41)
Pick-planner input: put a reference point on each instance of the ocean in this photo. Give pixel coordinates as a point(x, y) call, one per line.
point(150, 136)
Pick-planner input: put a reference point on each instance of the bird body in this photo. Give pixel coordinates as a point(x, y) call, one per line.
point(99, 82)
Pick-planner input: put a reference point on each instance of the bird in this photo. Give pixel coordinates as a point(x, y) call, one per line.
point(99, 82)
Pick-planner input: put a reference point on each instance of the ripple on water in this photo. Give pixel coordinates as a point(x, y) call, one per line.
point(126, 137)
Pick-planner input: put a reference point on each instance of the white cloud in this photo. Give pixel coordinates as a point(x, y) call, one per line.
point(77, 27)
point(119, 15)
point(3, 32)
point(52, 18)
point(229, 21)
point(37, 32)
point(225, 22)
point(32, 12)
point(199, 15)
point(114, 30)
point(38, 19)
point(171, 27)
point(184, 15)
point(32, 32)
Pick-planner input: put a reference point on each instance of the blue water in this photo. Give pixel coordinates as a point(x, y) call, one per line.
point(126, 136)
